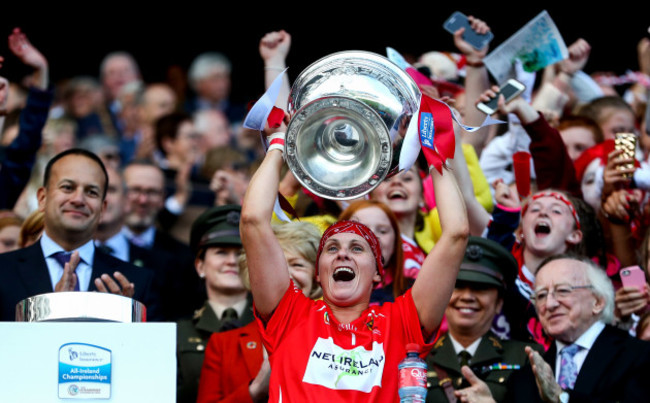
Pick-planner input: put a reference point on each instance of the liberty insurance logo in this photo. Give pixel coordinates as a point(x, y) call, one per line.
point(73, 354)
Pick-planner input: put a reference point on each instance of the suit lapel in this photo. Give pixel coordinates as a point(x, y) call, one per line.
point(33, 271)
point(550, 355)
point(208, 320)
point(601, 354)
point(445, 355)
point(489, 350)
point(139, 256)
point(101, 265)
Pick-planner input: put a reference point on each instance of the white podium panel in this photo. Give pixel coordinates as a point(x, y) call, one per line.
point(87, 362)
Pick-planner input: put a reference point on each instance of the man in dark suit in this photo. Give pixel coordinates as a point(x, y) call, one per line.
point(65, 259)
point(486, 271)
point(589, 361)
point(110, 239)
point(145, 201)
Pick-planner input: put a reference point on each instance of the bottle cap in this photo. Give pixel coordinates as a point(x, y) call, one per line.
point(413, 348)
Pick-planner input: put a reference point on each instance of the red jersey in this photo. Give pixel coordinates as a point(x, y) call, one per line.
point(316, 359)
point(413, 258)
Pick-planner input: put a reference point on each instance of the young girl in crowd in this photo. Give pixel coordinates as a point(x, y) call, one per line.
point(403, 194)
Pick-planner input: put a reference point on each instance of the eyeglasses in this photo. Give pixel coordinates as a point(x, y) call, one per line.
point(149, 193)
point(560, 292)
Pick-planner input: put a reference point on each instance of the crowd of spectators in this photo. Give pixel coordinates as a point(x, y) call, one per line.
point(178, 163)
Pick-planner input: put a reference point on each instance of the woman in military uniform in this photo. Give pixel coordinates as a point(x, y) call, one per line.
point(216, 244)
point(486, 271)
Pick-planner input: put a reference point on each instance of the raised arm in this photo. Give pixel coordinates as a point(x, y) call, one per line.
point(616, 215)
point(524, 111)
point(268, 271)
point(21, 153)
point(578, 56)
point(553, 165)
point(274, 48)
point(476, 81)
point(555, 90)
point(28, 54)
point(436, 280)
point(478, 217)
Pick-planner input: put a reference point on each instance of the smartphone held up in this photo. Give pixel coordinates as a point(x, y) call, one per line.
point(633, 276)
point(510, 90)
point(459, 20)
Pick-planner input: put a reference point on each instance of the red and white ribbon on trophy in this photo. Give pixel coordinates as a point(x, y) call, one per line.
point(433, 130)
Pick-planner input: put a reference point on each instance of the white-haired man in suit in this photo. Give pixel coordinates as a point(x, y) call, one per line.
point(589, 360)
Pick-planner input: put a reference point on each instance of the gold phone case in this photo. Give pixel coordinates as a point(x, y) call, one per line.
point(627, 143)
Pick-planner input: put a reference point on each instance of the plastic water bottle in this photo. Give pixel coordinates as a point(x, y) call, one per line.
point(412, 381)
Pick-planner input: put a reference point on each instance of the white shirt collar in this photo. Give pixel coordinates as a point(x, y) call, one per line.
point(459, 347)
point(50, 247)
point(587, 339)
point(219, 308)
point(55, 271)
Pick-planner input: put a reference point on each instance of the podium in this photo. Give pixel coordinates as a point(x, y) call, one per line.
point(86, 347)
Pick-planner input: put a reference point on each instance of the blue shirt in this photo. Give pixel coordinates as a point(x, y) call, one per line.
point(143, 240)
point(84, 268)
point(120, 246)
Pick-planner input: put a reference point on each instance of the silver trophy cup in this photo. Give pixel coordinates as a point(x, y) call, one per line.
point(76, 306)
point(346, 108)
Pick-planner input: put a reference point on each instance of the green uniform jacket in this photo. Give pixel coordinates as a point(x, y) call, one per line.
point(193, 335)
point(491, 350)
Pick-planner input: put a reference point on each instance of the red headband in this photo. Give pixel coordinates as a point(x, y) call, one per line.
point(558, 196)
point(353, 227)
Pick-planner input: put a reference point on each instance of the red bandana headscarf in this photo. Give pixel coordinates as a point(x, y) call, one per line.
point(353, 227)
